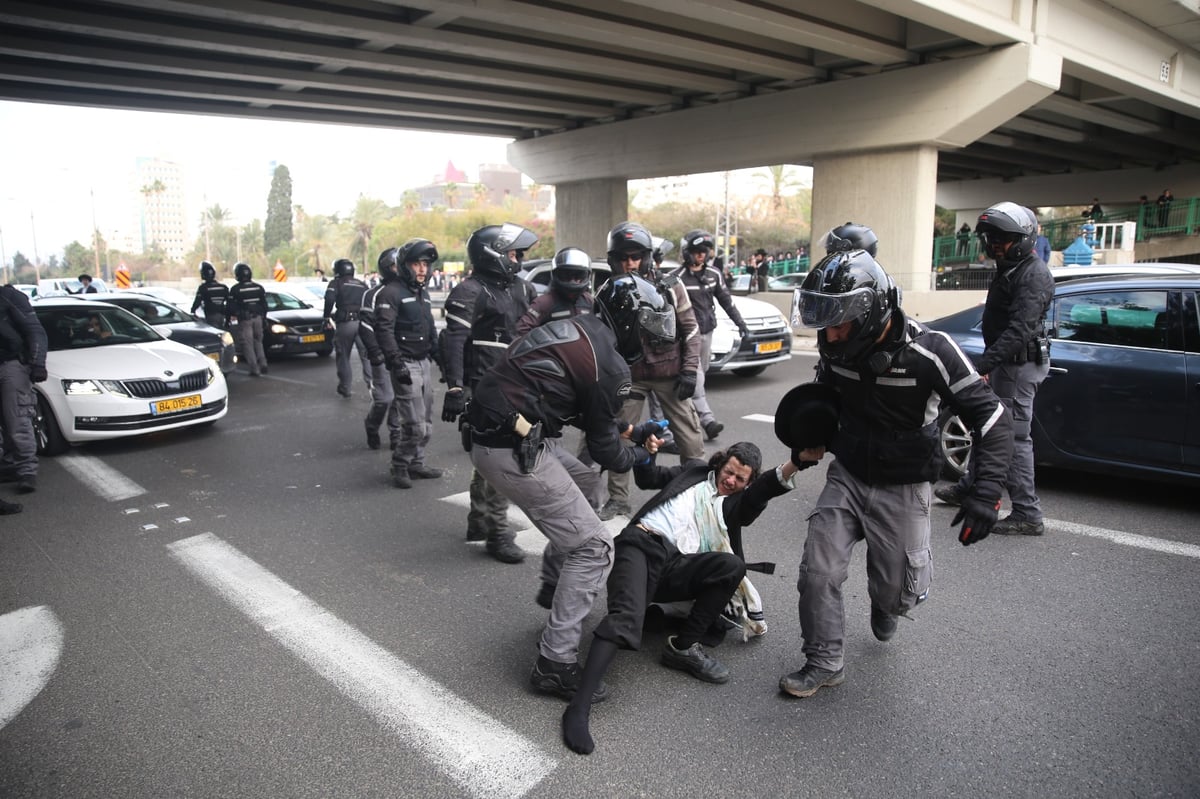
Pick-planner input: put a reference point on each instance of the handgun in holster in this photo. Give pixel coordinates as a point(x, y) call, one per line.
point(529, 448)
point(464, 427)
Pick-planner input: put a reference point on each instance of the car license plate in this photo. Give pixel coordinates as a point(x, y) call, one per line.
point(216, 356)
point(768, 346)
point(175, 405)
point(312, 339)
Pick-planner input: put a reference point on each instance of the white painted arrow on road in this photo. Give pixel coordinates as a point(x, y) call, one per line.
point(31, 640)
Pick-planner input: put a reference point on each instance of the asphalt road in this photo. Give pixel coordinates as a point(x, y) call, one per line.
point(252, 611)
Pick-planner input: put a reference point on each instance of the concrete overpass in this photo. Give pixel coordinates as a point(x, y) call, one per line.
point(896, 104)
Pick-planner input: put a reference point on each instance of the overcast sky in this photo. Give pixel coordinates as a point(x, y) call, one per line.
point(53, 156)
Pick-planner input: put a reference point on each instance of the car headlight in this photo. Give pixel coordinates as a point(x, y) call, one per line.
point(78, 388)
point(278, 329)
point(226, 338)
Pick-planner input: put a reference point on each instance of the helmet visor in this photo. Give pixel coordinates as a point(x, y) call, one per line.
point(828, 310)
point(659, 323)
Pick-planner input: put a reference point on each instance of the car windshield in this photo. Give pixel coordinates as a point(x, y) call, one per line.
point(284, 302)
point(93, 326)
point(151, 311)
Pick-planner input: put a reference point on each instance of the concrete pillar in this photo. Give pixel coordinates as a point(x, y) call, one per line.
point(890, 191)
point(587, 210)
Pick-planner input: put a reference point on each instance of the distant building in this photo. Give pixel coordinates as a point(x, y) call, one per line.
point(452, 188)
point(162, 212)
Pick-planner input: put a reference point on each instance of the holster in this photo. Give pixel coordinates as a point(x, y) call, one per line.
point(529, 448)
point(464, 427)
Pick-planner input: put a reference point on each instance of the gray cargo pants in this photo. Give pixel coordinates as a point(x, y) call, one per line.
point(345, 339)
point(559, 509)
point(249, 332)
point(685, 424)
point(414, 405)
point(894, 520)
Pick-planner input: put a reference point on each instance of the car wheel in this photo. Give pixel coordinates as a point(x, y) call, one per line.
point(325, 352)
point(749, 371)
point(955, 441)
point(46, 431)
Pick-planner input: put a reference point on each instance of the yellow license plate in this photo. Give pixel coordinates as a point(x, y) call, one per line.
point(312, 339)
point(768, 346)
point(175, 405)
point(216, 356)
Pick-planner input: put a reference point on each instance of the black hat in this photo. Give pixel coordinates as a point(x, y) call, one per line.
point(807, 416)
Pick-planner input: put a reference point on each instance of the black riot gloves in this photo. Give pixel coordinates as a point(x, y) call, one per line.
point(454, 404)
point(685, 385)
point(37, 374)
point(400, 374)
point(978, 516)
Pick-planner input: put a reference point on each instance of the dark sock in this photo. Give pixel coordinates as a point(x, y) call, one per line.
point(576, 734)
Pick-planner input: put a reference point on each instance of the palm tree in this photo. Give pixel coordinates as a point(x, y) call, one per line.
point(314, 232)
point(368, 213)
point(779, 177)
point(479, 194)
point(451, 192)
point(410, 201)
point(534, 189)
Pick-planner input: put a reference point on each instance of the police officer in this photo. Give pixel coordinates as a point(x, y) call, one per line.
point(568, 371)
point(704, 283)
point(343, 301)
point(570, 292)
point(851, 236)
point(1016, 355)
point(889, 373)
point(383, 405)
point(212, 294)
point(405, 334)
point(247, 308)
point(667, 368)
point(22, 363)
point(481, 320)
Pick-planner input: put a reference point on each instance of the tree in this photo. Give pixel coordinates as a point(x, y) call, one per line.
point(779, 177)
point(314, 236)
point(368, 213)
point(278, 227)
point(152, 216)
point(410, 201)
point(451, 192)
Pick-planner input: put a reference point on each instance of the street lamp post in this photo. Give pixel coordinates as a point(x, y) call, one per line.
point(37, 260)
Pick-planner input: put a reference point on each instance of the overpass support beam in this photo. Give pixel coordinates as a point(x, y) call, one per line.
point(890, 191)
point(586, 210)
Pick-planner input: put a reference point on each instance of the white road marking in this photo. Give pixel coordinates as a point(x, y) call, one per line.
point(759, 417)
point(527, 537)
point(104, 481)
point(31, 640)
point(1128, 539)
point(484, 757)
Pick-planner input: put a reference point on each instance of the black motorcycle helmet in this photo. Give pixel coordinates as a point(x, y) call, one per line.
point(572, 272)
point(660, 250)
point(343, 267)
point(387, 265)
point(410, 251)
point(488, 248)
point(207, 271)
point(850, 236)
point(629, 238)
point(693, 241)
point(242, 272)
point(848, 287)
point(632, 307)
point(1003, 223)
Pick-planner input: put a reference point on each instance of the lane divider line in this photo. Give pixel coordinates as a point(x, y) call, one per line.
point(103, 480)
point(31, 642)
point(1127, 539)
point(479, 753)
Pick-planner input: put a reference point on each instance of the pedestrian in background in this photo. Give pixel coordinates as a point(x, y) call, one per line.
point(1016, 355)
point(247, 308)
point(343, 301)
point(403, 326)
point(22, 363)
point(212, 294)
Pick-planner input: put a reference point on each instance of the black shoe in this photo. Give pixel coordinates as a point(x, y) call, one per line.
point(713, 429)
point(561, 680)
point(9, 508)
point(424, 472)
point(372, 436)
point(345, 393)
point(26, 485)
point(265, 370)
point(695, 661)
point(808, 680)
point(949, 494)
point(1006, 526)
point(545, 595)
point(476, 535)
point(883, 625)
point(612, 509)
point(400, 478)
point(505, 550)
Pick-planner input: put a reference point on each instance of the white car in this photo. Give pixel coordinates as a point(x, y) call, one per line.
point(111, 375)
point(769, 342)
